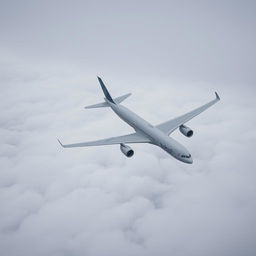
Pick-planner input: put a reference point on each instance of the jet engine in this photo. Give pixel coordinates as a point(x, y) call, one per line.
point(186, 131)
point(126, 150)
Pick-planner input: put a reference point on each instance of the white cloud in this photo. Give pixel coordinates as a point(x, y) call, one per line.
point(96, 202)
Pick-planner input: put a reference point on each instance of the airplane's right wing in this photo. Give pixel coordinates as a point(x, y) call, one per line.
point(171, 125)
point(129, 138)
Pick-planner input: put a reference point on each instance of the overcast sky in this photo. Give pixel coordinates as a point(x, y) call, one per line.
point(172, 56)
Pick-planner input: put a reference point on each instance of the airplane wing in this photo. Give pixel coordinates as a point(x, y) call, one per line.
point(129, 138)
point(171, 125)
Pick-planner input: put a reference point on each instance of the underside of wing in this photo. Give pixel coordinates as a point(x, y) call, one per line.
point(171, 125)
point(129, 138)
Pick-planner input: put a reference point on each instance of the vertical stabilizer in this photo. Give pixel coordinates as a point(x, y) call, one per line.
point(105, 91)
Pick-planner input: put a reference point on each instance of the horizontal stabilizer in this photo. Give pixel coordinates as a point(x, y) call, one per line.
point(105, 104)
point(122, 98)
point(99, 105)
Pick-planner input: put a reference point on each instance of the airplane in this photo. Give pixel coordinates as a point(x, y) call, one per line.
point(144, 131)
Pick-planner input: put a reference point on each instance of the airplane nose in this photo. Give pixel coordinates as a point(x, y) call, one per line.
point(189, 160)
point(186, 158)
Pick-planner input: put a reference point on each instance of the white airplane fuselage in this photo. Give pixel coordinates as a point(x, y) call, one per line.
point(144, 131)
point(157, 137)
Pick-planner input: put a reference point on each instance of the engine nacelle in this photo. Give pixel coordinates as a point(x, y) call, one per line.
point(186, 131)
point(126, 150)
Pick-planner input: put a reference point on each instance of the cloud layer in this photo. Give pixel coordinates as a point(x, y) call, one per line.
point(96, 202)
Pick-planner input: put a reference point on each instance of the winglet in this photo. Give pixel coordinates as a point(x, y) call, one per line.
point(217, 96)
point(60, 143)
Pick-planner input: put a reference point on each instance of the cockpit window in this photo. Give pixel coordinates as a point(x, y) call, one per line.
point(184, 156)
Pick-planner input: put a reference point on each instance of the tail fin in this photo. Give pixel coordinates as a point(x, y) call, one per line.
point(108, 97)
point(105, 91)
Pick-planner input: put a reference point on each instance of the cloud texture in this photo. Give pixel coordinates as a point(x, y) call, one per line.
point(94, 201)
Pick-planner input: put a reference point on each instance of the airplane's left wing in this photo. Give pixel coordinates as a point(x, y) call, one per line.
point(171, 125)
point(129, 138)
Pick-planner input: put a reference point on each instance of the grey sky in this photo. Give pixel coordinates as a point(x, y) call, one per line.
point(196, 41)
point(172, 55)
